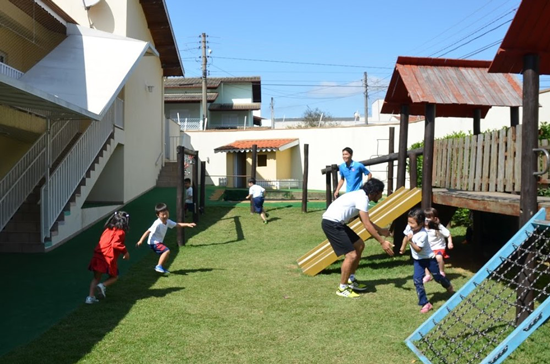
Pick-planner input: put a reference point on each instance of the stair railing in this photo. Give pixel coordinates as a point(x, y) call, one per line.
point(25, 175)
point(63, 182)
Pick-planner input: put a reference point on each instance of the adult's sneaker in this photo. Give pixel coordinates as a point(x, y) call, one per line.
point(347, 292)
point(91, 300)
point(356, 285)
point(102, 290)
point(427, 307)
point(160, 269)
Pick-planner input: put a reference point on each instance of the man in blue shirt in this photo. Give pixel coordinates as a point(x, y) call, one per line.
point(352, 172)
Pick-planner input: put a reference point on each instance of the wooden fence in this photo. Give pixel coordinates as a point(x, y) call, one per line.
point(489, 162)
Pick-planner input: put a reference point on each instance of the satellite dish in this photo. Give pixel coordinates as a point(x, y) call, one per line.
point(89, 3)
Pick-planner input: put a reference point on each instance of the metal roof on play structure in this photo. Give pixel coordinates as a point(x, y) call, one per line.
point(457, 87)
point(528, 34)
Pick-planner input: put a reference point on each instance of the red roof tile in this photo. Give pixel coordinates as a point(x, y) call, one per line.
point(262, 145)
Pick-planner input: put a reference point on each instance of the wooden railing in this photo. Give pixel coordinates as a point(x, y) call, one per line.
point(489, 162)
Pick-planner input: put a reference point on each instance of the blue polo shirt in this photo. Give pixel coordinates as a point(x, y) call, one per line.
point(353, 175)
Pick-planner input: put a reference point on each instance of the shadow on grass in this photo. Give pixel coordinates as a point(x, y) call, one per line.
point(51, 287)
point(184, 272)
point(238, 232)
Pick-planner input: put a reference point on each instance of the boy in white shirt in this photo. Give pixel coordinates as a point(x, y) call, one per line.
point(257, 194)
point(157, 232)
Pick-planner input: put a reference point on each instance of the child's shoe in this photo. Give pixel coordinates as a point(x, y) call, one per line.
point(427, 307)
point(102, 290)
point(160, 269)
point(91, 300)
point(265, 221)
point(426, 278)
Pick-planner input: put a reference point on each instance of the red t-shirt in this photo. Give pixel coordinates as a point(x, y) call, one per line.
point(106, 252)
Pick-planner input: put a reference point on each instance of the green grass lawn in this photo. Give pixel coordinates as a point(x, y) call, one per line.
point(236, 295)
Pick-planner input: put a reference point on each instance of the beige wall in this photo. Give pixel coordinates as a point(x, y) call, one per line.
point(109, 187)
point(10, 153)
point(284, 163)
point(29, 43)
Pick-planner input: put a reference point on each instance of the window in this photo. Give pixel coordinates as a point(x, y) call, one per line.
point(3, 57)
point(262, 160)
point(256, 92)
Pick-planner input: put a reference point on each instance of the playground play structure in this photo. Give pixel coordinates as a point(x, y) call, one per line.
point(495, 311)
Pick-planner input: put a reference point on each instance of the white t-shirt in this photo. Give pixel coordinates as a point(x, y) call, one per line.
point(347, 206)
point(189, 195)
point(158, 231)
point(437, 237)
point(256, 191)
point(421, 240)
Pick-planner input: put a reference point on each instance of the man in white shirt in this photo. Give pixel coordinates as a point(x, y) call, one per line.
point(345, 241)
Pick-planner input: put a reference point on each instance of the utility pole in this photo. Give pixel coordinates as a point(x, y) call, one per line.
point(204, 100)
point(272, 105)
point(366, 84)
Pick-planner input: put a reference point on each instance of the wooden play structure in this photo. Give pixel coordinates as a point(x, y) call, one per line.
point(382, 214)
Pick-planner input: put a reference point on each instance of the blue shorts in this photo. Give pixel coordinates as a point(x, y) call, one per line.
point(159, 248)
point(258, 203)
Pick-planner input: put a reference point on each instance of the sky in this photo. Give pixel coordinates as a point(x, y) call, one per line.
point(313, 55)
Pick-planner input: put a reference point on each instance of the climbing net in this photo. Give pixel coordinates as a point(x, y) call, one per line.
point(486, 316)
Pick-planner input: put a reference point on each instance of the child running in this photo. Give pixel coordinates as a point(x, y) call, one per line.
point(106, 253)
point(257, 193)
point(423, 257)
point(436, 236)
point(156, 234)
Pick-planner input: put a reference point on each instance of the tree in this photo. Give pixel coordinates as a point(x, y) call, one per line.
point(313, 116)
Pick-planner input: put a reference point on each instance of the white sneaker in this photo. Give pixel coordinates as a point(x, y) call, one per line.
point(101, 289)
point(91, 300)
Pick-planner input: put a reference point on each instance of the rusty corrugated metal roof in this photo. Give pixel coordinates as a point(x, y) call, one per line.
point(529, 33)
point(262, 145)
point(211, 82)
point(457, 87)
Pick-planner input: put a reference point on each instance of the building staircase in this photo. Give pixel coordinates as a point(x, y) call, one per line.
point(168, 176)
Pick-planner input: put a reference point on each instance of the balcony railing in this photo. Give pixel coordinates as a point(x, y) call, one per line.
point(10, 71)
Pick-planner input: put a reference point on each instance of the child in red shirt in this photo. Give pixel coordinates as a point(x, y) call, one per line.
point(110, 246)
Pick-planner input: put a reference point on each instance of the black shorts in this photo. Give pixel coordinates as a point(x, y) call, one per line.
point(340, 236)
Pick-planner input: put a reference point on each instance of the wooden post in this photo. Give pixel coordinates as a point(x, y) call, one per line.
point(477, 121)
point(528, 196)
point(427, 166)
point(334, 177)
point(514, 116)
point(328, 193)
point(253, 164)
point(202, 187)
point(390, 163)
point(304, 179)
point(180, 194)
point(195, 188)
point(402, 151)
point(413, 170)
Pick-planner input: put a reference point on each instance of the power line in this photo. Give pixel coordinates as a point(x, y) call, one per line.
point(303, 63)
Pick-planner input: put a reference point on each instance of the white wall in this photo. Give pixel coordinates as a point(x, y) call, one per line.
point(326, 144)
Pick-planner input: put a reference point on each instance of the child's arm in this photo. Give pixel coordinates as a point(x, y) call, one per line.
point(145, 234)
point(450, 242)
point(406, 239)
point(414, 246)
point(186, 224)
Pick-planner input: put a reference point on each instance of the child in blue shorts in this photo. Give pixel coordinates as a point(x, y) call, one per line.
point(257, 193)
point(157, 232)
